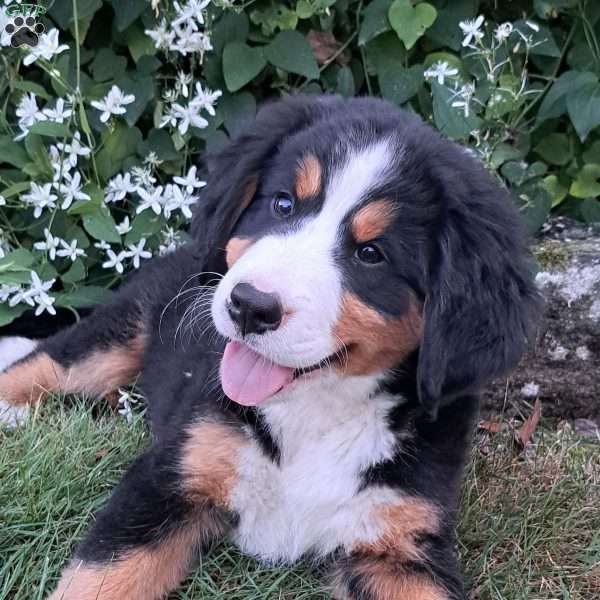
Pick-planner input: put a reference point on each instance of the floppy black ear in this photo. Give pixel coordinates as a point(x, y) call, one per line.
point(235, 172)
point(481, 305)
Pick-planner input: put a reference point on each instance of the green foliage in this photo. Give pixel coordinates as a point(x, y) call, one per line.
point(522, 93)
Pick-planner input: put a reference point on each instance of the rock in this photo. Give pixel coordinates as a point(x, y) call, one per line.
point(564, 366)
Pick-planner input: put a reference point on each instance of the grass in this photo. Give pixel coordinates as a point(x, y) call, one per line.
point(530, 527)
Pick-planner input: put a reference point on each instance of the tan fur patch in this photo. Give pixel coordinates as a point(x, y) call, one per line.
point(96, 375)
point(372, 220)
point(141, 575)
point(374, 343)
point(234, 249)
point(401, 524)
point(208, 462)
point(308, 177)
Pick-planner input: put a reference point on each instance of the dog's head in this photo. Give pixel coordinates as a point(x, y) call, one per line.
point(352, 237)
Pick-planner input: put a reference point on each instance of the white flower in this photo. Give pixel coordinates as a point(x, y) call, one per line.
point(471, 29)
point(36, 294)
point(4, 36)
point(59, 113)
point(169, 118)
point(47, 47)
point(123, 227)
point(115, 261)
point(161, 36)
point(182, 83)
point(113, 103)
point(28, 111)
point(50, 245)
point(151, 199)
point(503, 31)
point(143, 177)
point(40, 197)
point(532, 25)
point(530, 390)
point(466, 94)
point(2, 200)
point(180, 200)
point(45, 303)
point(74, 149)
point(70, 250)
point(118, 187)
point(190, 13)
point(190, 41)
point(205, 99)
point(188, 116)
point(126, 399)
point(102, 245)
point(440, 70)
point(190, 181)
point(137, 252)
point(71, 190)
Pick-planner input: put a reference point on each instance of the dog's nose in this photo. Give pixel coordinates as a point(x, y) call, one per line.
point(254, 311)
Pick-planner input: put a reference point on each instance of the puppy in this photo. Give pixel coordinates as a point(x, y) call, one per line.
point(311, 359)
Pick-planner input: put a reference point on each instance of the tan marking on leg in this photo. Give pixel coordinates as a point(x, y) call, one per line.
point(208, 461)
point(401, 524)
point(308, 177)
point(146, 574)
point(372, 220)
point(96, 375)
point(235, 248)
point(374, 342)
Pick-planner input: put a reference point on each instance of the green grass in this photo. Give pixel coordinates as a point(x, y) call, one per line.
point(530, 527)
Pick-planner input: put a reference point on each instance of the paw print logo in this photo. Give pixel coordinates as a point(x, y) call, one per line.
point(24, 31)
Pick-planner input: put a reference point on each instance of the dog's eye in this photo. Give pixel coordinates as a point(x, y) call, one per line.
point(283, 205)
point(369, 254)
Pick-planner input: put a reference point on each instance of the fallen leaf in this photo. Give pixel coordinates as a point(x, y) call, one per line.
point(491, 426)
point(528, 428)
point(100, 454)
point(586, 428)
point(324, 46)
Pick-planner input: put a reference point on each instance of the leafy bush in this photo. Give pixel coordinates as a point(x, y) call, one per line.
point(104, 122)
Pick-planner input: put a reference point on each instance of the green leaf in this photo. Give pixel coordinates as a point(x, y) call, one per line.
point(50, 129)
point(75, 273)
point(29, 86)
point(102, 226)
point(558, 192)
point(592, 153)
point(9, 313)
point(411, 22)
point(554, 103)
point(85, 297)
point(555, 149)
point(386, 52)
point(231, 27)
point(587, 182)
point(241, 64)
point(375, 21)
point(445, 32)
point(145, 225)
point(38, 153)
point(583, 105)
point(138, 42)
point(503, 153)
point(159, 142)
point(542, 41)
point(290, 51)
point(590, 210)
point(551, 9)
point(238, 112)
point(345, 82)
point(62, 11)
point(118, 145)
point(17, 260)
point(399, 84)
point(143, 90)
point(537, 205)
point(15, 189)
point(451, 121)
point(87, 207)
point(107, 66)
point(127, 12)
point(12, 153)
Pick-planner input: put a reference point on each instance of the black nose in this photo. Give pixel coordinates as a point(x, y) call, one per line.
point(254, 311)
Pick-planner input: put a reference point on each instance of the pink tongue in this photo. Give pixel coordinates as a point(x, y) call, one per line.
point(248, 378)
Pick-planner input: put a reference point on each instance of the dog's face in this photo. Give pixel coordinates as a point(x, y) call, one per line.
point(330, 258)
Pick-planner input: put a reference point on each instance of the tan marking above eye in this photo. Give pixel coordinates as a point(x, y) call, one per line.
point(308, 177)
point(234, 249)
point(375, 343)
point(370, 221)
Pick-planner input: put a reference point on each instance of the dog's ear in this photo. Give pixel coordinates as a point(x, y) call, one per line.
point(481, 305)
point(234, 174)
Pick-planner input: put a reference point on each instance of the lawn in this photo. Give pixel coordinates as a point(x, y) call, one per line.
point(530, 526)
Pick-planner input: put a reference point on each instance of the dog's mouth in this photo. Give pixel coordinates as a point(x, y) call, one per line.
point(250, 378)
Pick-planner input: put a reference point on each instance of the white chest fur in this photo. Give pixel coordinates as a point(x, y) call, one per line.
point(329, 431)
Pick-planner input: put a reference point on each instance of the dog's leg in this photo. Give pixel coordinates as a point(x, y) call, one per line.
point(170, 505)
point(391, 575)
point(94, 357)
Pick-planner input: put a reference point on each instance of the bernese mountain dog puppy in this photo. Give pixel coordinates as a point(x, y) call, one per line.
point(311, 360)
